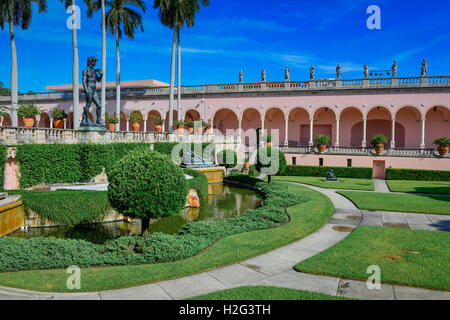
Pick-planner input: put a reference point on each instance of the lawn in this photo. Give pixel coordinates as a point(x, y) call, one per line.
point(265, 293)
point(342, 184)
point(412, 258)
point(399, 202)
point(305, 219)
point(434, 187)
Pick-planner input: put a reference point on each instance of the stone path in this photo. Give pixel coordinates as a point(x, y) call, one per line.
point(272, 269)
point(381, 186)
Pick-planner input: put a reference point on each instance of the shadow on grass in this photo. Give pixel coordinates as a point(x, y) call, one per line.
point(443, 225)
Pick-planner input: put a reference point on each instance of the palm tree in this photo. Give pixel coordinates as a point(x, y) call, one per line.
point(14, 13)
point(121, 13)
point(92, 6)
point(174, 14)
point(75, 70)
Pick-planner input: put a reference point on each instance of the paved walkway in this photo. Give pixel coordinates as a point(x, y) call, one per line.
point(271, 269)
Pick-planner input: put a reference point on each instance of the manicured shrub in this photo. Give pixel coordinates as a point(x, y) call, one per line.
point(166, 148)
point(340, 172)
point(419, 175)
point(146, 184)
point(227, 158)
point(67, 208)
point(199, 183)
point(322, 140)
point(269, 163)
point(2, 163)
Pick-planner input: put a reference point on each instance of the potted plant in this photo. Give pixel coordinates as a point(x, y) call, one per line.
point(158, 123)
point(200, 129)
point(268, 138)
point(58, 116)
point(208, 128)
point(322, 142)
point(190, 125)
point(247, 163)
point(28, 112)
point(443, 144)
point(180, 126)
point(135, 117)
point(112, 122)
point(378, 142)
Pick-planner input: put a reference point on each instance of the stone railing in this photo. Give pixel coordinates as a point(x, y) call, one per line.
point(275, 86)
point(354, 151)
point(15, 136)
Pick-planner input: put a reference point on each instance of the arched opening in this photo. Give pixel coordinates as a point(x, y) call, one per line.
point(226, 121)
point(251, 121)
point(324, 124)
point(274, 124)
point(151, 122)
point(175, 119)
point(298, 118)
point(44, 122)
point(7, 121)
point(123, 121)
point(348, 119)
point(437, 125)
point(192, 115)
point(410, 118)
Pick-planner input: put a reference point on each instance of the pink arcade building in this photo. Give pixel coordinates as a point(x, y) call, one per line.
point(411, 111)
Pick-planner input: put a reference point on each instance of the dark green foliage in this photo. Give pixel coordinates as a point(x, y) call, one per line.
point(49, 253)
point(419, 175)
point(207, 149)
point(340, 172)
point(53, 163)
point(252, 172)
point(227, 158)
point(2, 163)
point(68, 163)
point(199, 183)
point(271, 165)
point(146, 184)
point(67, 208)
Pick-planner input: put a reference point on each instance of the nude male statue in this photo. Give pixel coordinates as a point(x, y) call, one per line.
point(90, 78)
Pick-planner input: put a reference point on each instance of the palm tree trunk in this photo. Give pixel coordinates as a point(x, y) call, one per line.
point(179, 75)
point(172, 80)
point(103, 98)
point(14, 82)
point(118, 80)
point(75, 82)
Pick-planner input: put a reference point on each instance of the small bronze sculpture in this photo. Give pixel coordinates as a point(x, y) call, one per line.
point(90, 78)
point(424, 68)
point(331, 176)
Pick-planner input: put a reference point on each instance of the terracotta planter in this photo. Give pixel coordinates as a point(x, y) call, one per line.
point(208, 131)
point(191, 130)
point(443, 150)
point(180, 128)
point(269, 144)
point(158, 128)
point(379, 148)
point(111, 126)
point(135, 126)
point(321, 148)
point(28, 122)
point(58, 124)
point(199, 130)
point(247, 165)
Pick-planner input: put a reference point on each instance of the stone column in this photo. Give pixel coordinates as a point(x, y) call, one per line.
point(240, 128)
point(128, 125)
point(422, 145)
point(51, 122)
point(145, 125)
point(338, 122)
point(286, 132)
point(393, 134)
point(311, 132)
point(364, 142)
point(163, 125)
point(65, 124)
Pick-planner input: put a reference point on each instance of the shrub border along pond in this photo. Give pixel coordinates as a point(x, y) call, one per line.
point(418, 175)
point(340, 172)
point(50, 253)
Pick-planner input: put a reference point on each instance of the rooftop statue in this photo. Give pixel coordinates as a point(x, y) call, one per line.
point(366, 71)
point(394, 70)
point(312, 73)
point(338, 72)
point(241, 76)
point(424, 68)
point(263, 76)
point(287, 74)
point(90, 78)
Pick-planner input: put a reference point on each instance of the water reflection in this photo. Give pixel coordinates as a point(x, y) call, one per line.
point(226, 202)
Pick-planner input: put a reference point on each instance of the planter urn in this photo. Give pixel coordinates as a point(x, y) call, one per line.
point(111, 126)
point(58, 124)
point(158, 128)
point(443, 150)
point(135, 126)
point(321, 148)
point(379, 148)
point(191, 130)
point(28, 122)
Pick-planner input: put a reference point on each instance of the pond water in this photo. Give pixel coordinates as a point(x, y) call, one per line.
point(226, 202)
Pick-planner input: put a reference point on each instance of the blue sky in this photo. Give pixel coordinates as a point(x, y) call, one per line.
point(246, 34)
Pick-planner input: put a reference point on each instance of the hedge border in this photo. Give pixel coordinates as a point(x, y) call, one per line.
point(340, 172)
point(418, 175)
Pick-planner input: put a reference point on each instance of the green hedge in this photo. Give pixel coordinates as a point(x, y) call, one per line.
point(419, 175)
point(50, 253)
point(2, 163)
point(167, 148)
point(199, 183)
point(340, 172)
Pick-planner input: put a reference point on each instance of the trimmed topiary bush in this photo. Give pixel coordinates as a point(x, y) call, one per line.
point(270, 163)
point(199, 183)
point(146, 184)
point(227, 158)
